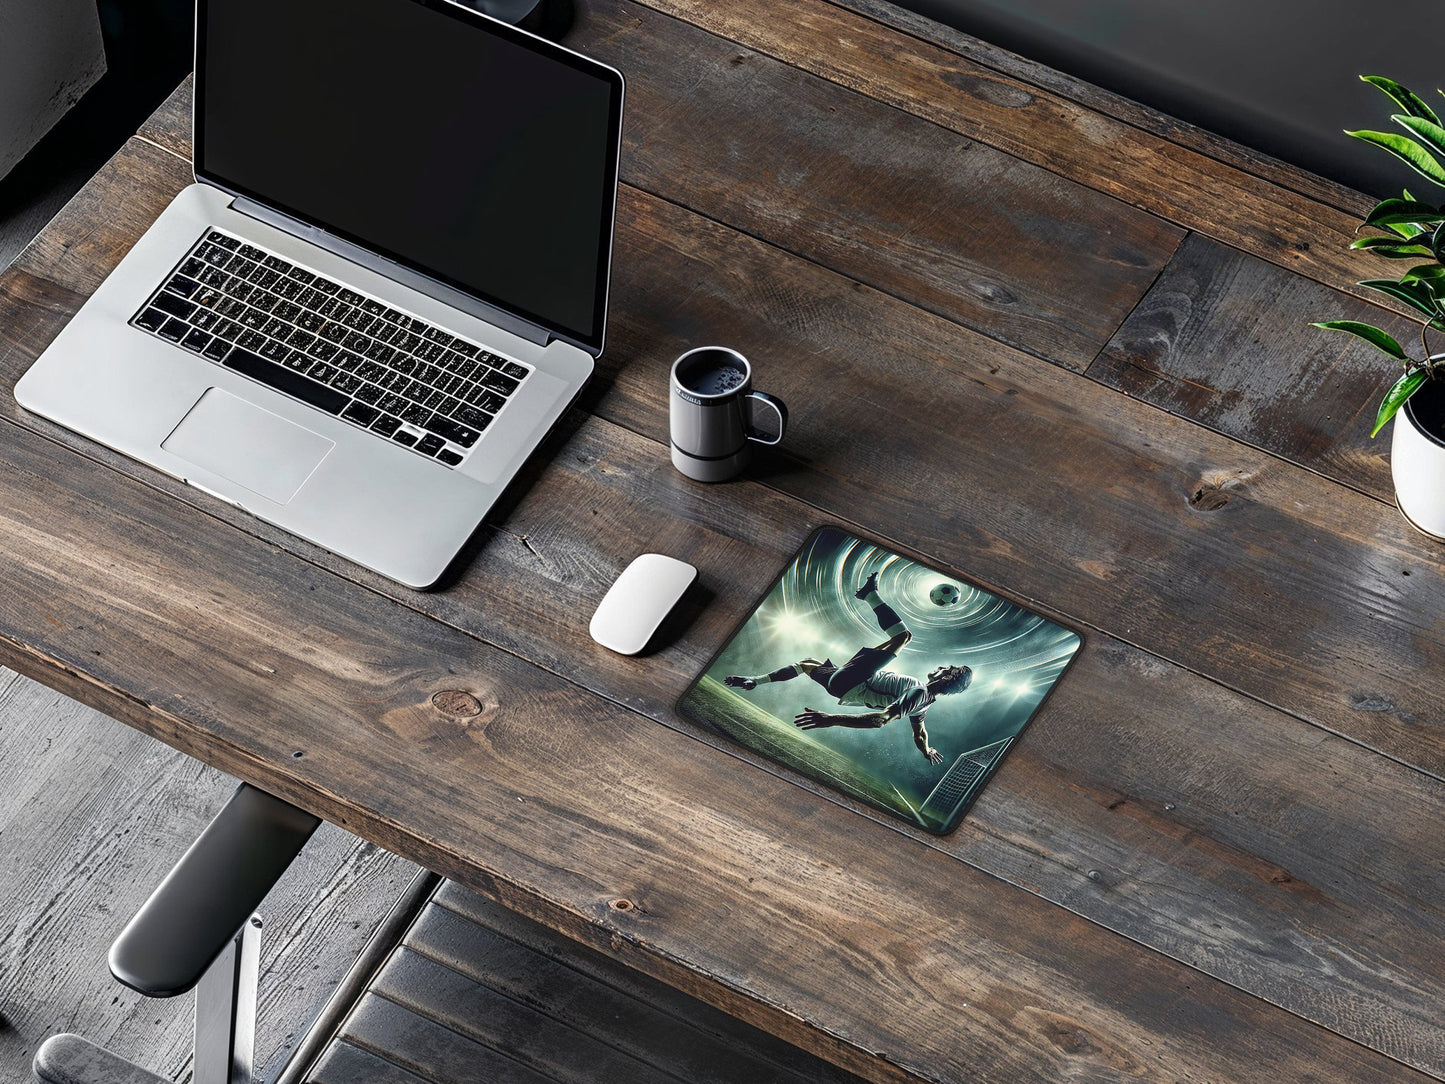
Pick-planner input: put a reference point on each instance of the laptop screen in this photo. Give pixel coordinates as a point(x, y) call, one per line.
point(456, 146)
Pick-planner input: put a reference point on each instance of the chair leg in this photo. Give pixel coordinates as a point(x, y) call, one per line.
point(69, 1059)
point(226, 1011)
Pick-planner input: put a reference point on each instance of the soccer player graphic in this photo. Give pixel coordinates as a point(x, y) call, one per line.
point(862, 681)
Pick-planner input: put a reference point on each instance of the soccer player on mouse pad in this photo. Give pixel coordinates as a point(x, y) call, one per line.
point(989, 663)
point(862, 681)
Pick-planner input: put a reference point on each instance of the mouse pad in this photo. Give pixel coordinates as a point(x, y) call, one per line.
point(899, 684)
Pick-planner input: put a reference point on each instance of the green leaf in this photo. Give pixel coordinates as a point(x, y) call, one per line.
point(1393, 212)
point(1371, 334)
point(1405, 98)
point(1407, 150)
point(1393, 248)
point(1427, 131)
point(1437, 241)
point(1415, 294)
point(1395, 398)
point(1428, 274)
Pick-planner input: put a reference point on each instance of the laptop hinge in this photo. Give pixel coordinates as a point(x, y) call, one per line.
point(447, 295)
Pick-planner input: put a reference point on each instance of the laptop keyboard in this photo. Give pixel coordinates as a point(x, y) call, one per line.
point(353, 356)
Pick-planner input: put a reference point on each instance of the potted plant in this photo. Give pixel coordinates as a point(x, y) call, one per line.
point(1413, 230)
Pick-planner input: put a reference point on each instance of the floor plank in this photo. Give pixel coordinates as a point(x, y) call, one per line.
point(471, 993)
point(92, 815)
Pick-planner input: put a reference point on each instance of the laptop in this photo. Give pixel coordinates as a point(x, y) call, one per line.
point(387, 283)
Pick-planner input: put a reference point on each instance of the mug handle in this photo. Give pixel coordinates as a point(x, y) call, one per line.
point(778, 408)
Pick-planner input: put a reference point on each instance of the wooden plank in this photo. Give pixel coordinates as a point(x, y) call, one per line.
point(1223, 339)
point(525, 1034)
point(1177, 183)
point(278, 672)
point(599, 997)
point(582, 522)
point(92, 815)
point(881, 195)
point(347, 1064)
point(431, 1050)
point(1098, 100)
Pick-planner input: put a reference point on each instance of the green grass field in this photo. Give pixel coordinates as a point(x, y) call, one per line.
point(714, 703)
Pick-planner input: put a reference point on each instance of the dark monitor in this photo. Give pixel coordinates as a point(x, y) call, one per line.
point(451, 143)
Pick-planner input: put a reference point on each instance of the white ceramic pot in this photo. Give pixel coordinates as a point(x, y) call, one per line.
point(1417, 459)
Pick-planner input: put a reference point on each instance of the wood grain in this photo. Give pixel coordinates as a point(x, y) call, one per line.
point(605, 489)
point(1223, 339)
point(494, 799)
point(1178, 183)
point(1098, 100)
point(595, 993)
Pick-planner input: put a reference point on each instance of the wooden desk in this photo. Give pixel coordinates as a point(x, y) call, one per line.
point(1030, 331)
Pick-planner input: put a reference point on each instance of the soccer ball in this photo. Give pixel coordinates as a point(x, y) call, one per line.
point(945, 594)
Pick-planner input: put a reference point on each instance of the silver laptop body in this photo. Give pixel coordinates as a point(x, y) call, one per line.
point(130, 370)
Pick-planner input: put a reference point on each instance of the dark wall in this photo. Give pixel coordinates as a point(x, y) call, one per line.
point(1278, 75)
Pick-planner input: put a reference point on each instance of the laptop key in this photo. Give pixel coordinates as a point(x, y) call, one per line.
point(417, 415)
point(515, 371)
point(174, 306)
point(151, 319)
point(183, 286)
point(403, 437)
point(174, 330)
point(450, 430)
point(283, 379)
point(274, 350)
point(196, 340)
point(360, 413)
point(498, 382)
point(369, 393)
point(449, 457)
point(347, 382)
point(429, 444)
point(217, 350)
point(473, 417)
point(386, 425)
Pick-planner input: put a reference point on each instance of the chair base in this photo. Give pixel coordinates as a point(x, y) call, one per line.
point(70, 1059)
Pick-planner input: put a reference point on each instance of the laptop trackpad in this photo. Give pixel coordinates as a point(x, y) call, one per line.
point(247, 445)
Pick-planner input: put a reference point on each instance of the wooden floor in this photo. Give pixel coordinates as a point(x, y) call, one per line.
point(92, 814)
point(474, 993)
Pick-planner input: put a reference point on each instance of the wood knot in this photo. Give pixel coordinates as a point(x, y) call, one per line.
point(457, 703)
point(623, 905)
point(1208, 498)
point(1211, 493)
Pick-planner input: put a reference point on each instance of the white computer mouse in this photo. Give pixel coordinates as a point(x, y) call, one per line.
point(636, 604)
